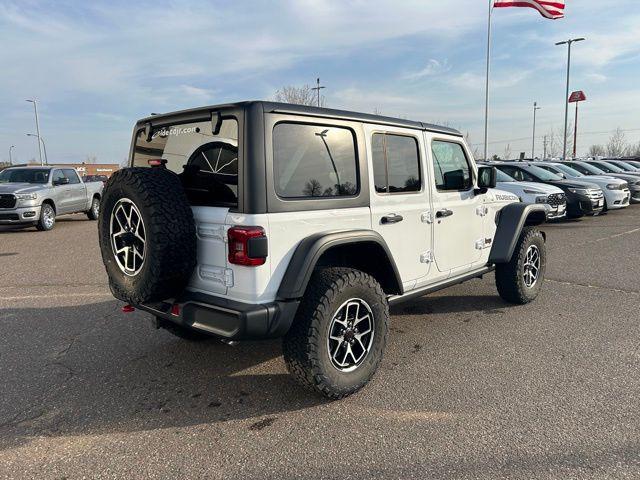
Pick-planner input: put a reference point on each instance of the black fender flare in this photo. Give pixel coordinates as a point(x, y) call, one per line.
point(310, 249)
point(512, 219)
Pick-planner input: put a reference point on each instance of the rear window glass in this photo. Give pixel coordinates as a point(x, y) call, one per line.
point(207, 164)
point(314, 161)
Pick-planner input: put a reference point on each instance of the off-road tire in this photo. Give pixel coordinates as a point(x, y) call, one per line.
point(170, 249)
point(184, 333)
point(42, 224)
point(509, 276)
point(94, 212)
point(305, 345)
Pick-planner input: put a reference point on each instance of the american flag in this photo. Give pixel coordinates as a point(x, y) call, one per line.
point(548, 9)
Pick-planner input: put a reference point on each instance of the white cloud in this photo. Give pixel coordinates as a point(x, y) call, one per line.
point(498, 79)
point(126, 60)
point(596, 77)
point(433, 67)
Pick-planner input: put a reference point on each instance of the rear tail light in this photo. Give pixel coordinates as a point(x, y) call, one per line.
point(247, 246)
point(157, 162)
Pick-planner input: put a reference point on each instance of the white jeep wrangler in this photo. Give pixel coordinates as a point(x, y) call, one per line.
point(261, 220)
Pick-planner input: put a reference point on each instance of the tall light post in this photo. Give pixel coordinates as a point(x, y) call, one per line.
point(35, 109)
point(533, 143)
point(486, 85)
point(318, 87)
point(566, 96)
point(40, 139)
point(10, 159)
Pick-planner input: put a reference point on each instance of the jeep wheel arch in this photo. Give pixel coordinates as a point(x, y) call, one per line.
point(511, 220)
point(353, 248)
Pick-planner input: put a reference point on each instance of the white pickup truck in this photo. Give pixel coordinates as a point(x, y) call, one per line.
point(36, 195)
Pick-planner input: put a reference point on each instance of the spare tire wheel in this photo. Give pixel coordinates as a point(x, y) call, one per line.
point(147, 235)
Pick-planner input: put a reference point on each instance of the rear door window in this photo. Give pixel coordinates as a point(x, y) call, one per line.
point(314, 161)
point(207, 164)
point(71, 175)
point(396, 163)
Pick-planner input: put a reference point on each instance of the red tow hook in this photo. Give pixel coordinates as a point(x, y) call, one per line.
point(128, 309)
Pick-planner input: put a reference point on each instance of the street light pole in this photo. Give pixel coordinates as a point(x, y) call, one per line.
point(318, 88)
point(35, 109)
point(566, 96)
point(533, 144)
point(40, 139)
point(486, 86)
point(10, 159)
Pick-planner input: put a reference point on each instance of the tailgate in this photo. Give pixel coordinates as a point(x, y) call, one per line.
point(211, 274)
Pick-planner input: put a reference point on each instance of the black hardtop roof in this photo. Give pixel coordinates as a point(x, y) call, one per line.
point(275, 107)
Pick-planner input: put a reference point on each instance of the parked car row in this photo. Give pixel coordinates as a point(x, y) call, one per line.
point(572, 188)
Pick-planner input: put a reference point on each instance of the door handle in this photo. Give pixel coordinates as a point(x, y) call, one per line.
point(444, 213)
point(391, 218)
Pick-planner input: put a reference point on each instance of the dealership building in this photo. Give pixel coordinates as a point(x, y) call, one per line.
point(90, 168)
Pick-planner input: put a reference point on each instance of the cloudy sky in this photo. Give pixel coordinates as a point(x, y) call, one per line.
point(95, 67)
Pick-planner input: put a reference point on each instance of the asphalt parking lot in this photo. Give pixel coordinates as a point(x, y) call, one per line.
point(470, 387)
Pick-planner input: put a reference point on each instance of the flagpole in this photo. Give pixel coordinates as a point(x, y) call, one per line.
point(486, 98)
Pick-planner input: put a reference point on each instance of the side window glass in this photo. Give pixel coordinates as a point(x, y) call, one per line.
point(71, 175)
point(396, 163)
point(513, 172)
point(57, 176)
point(450, 166)
point(526, 176)
point(314, 161)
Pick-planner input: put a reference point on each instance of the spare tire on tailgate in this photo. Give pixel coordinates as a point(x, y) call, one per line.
point(147, 235)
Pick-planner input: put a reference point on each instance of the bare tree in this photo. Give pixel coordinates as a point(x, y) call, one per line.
point(555, 142)
point(91, 159)
point(569, 143)
point(553, 146)
point(634, 150)
point(299, 95)
point(476, 150)
point(596, 151)
point(312, 188)
point(617, 145)
point(507, 152)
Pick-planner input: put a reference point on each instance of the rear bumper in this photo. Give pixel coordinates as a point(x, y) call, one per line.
point(225, 318)
point(17, 216)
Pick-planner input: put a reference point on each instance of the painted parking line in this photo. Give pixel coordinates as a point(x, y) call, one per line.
point(57, 295)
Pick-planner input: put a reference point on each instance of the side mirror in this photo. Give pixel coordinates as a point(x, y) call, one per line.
point(454, 180)
point(487, 176)
point(61, 181)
